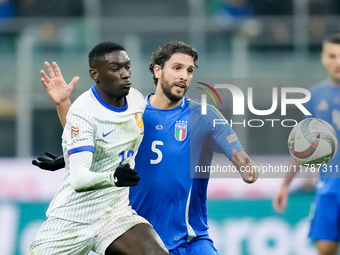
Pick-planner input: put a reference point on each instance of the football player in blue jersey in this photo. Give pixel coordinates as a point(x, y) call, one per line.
point(178, 139)
point(170, 195)
point(324, 104)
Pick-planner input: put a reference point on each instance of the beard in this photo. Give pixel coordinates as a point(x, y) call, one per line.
point(167, 90)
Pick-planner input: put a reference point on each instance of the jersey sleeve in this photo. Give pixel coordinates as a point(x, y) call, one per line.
point(82, 179)
point(79, 132)
point(222, 138)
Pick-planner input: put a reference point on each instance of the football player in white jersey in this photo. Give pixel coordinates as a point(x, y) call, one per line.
point(103, 131)
point(173, 63)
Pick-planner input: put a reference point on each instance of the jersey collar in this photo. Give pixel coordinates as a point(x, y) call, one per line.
point(148, 102)
point(106, 105)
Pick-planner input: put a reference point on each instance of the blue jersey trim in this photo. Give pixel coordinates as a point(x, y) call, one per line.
point(80, 149)
point(106, 105)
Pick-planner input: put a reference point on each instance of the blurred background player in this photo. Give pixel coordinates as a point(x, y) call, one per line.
point(101, 137)
point(324, 104)
point(167, 195)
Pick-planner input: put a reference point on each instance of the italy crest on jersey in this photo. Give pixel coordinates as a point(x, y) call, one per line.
point(181, 130)
point(139, 121)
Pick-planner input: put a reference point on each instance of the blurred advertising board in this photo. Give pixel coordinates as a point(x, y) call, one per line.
point(241, 218)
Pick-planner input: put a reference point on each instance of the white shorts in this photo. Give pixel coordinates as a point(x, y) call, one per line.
point(58, 236)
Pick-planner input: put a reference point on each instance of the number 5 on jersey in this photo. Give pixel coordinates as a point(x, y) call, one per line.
point(157, 151)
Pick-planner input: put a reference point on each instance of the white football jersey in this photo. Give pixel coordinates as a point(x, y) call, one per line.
point(113, 135)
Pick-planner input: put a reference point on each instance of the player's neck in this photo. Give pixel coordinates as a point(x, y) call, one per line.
point(336, 83)
point(111, 100)
point(160, 101)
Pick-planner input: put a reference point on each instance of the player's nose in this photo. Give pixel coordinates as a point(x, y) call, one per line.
point(125, 73)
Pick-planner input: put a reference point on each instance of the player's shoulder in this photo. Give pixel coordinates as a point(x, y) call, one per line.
point(196, 107)
point(83, 101)
point(196, 104)
point(136, 99)
point(321, 86)
point(82, 107)
point(135, 93)
point(193, 103)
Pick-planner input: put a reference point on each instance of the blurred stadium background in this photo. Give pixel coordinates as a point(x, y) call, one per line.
point(235, 39)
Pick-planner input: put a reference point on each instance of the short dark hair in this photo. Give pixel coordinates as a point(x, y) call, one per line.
point(100, 50)
point(333, 38)
point(164, 53)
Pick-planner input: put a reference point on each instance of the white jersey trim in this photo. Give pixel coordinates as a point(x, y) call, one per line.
point(191, 232)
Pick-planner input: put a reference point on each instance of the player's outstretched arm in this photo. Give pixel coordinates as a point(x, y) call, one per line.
point(247, 168)
point(58, 89)
point(281, 197)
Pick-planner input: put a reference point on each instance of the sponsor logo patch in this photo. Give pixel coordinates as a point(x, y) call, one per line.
point(232, 138)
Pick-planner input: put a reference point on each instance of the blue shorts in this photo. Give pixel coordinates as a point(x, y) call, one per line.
point(196, 246)
point(325, 224)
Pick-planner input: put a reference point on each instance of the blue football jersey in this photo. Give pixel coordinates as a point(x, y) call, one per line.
point(325, 104)
point(175, 141)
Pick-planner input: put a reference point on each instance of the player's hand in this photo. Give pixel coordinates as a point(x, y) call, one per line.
point(247, 168)
point(280, 199)
point(125, 176)
point(51, 163)
point(55, 84)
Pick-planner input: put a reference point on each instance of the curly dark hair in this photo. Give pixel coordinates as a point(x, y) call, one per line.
point(164, 53)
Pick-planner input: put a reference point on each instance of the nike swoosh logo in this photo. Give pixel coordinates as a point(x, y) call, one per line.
point(104, 135)
point(115, 180)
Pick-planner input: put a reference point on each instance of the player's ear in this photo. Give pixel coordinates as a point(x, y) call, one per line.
point(94, 74)
point(157, 70)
